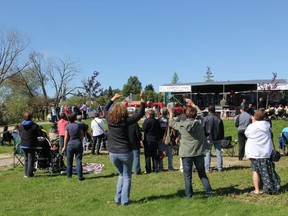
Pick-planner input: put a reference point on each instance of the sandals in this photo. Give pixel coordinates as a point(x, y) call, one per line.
point(256, 194)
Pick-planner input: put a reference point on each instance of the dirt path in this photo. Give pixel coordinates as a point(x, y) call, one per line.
point(6, 160)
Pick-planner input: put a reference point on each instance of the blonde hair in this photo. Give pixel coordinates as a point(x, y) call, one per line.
point(117, 114)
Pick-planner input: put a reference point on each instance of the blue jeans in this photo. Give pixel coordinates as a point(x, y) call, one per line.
point(123, 162)
point(96, 143)
point(136, 161)
point(217, 146)
point(169, 153)
point(187, 172)
point(29, 159)
point(77, 150)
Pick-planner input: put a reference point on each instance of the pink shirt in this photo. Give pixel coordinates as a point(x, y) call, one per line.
point(61, 126)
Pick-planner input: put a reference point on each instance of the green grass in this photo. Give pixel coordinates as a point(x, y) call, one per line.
point(157, 194)
point(160, 194)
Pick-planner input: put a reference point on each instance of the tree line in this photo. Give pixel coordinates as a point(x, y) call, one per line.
point(26, 79)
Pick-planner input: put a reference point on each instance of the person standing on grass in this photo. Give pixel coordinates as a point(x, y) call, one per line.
point(29, 131)
point(120, 147)
point(61, 125)
point(193, 145)
point(166, 141)
point(135, 137)
point(258, 149)
point(241, 122)
point(97, 126)
point(151, 129)
point(73, 146)
point(214, 131)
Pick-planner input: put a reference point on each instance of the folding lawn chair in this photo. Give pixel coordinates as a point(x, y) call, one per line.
point(18, 158)
point(227, 146)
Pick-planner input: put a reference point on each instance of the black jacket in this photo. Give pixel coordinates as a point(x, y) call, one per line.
point(118, 135)
point(29, 134)
point(213, 127)
point(151, 129)
point(135, 135)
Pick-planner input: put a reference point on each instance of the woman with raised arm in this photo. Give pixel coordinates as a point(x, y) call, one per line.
point(193, 145)
point(120, 147)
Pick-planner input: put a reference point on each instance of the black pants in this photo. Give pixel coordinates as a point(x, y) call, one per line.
point(241, 142)
point(29, 160)
point(150, 150)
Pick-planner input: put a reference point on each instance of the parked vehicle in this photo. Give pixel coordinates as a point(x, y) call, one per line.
point(91, 113)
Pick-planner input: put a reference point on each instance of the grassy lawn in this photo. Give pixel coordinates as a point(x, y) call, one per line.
point(157, 194)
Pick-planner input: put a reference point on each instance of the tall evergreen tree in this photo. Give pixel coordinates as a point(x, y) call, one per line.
point(209, 75)
point(133, 86)
point(175, 78)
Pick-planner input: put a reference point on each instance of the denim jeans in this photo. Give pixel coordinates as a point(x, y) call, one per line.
point(159, 163)
point(123, 162)
point(136, 161)
point(77, 150)
point(187, 173)
point(217, 146)
point(29, 160)
point(169, 154)
point(96, 143)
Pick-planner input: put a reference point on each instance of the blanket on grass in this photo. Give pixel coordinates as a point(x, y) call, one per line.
point(88, 168)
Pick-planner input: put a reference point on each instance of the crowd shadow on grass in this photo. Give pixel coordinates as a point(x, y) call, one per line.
point(232, 189)
point(226, 191)
point(219, 192)
point(111, 175)
point(179, 193)
point(238, 167)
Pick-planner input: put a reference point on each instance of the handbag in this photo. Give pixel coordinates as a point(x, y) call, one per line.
point(275, 155)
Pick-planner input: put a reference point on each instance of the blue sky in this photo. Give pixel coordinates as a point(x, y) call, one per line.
point(152, 39)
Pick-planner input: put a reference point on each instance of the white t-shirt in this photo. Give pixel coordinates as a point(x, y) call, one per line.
point(97, 126)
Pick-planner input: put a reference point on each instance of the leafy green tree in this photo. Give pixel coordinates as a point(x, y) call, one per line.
point(175, 78)
point(133, 86)
point(110, 92)
point(209, 75)
point(27, 84)
point(149, 87)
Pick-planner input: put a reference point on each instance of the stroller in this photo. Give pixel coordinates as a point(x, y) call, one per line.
point(48, 156)
point(57, 159)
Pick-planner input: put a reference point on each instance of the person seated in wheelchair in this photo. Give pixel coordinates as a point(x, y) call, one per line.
point(6, 136)
point(54, 137)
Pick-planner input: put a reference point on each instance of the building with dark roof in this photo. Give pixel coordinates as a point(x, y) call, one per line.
point(205, 93)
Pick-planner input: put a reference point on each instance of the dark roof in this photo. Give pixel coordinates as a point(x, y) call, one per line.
point(228, 82)
point(227, 86)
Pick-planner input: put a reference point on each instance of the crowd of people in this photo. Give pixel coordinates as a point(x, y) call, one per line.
point(56, 112)
point(195, 134)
